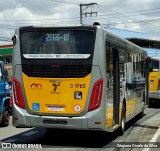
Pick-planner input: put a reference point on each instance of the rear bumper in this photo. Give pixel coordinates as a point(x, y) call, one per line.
point(154, 94)
point(21, 118)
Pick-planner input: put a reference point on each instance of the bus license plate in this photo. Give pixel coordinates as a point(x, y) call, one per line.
point(55, 108)
point(51, 121)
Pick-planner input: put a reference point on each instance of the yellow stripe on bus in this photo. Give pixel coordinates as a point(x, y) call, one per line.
point(130, 110)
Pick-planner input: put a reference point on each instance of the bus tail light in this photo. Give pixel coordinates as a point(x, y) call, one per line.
point(96, 96)
point(10, 102)
point(17, 93)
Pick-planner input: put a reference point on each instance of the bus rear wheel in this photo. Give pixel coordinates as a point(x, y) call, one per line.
point(122, 127)
point(5, 117)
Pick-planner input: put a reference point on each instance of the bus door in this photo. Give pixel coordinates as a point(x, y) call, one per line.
point(116, 86)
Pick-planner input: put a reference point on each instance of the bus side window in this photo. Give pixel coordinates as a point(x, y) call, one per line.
point(108, 64)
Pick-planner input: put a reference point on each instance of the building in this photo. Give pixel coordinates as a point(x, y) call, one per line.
point(6, 52)
point(6, 56)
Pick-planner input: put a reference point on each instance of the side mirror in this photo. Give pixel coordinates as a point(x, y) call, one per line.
point(14, 38)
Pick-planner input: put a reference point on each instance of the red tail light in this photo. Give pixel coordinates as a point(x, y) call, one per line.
point(10, 102)
point(17, 93)
point(96, 96)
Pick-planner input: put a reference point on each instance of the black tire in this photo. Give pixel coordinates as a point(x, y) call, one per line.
point(122, 127)
point(141, 114)
point(0, 118)
point(5, 117)
point(149, 104)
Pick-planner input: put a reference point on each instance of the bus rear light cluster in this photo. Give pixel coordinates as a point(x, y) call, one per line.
point(96, 96)
point(17, 93)
point(10, 101)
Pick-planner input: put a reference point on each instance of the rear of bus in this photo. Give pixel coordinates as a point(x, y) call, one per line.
point(57, 81)
point(154, 81)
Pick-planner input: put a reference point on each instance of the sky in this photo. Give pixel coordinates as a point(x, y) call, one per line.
point(135, 15)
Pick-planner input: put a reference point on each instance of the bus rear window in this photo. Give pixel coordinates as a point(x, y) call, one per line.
point(57, 44)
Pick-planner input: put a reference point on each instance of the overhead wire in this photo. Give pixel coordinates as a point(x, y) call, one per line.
point(113, 15)
point(118, 15)
point(62, 1)
point(101, 16)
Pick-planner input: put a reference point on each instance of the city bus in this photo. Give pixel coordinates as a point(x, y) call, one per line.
point(76, 77)
point(154, 81)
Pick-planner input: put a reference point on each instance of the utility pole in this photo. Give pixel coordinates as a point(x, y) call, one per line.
point(86, 6)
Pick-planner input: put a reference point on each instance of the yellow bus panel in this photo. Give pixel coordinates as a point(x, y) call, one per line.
point(56, 95)
point(153, 81)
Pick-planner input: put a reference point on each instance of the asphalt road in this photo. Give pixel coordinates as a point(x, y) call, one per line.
point(139, 131)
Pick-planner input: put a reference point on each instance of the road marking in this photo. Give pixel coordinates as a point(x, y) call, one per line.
point(154, 138)
point(30, 133)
